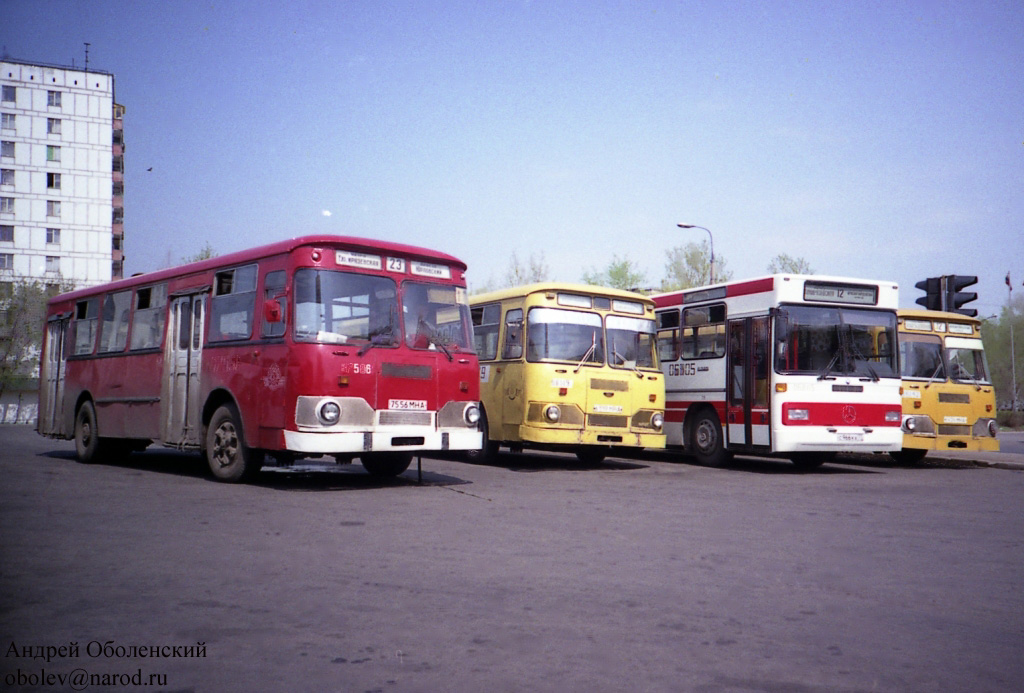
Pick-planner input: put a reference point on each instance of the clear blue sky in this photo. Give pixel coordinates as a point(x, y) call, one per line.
point(875, 139)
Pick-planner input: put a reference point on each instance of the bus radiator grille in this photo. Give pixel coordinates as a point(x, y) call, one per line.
point(607, 420)
point(405, 418)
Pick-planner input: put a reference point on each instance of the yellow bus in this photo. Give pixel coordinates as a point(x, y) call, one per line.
point(568, 367)
point(948, 399)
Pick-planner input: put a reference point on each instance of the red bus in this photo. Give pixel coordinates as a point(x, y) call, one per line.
point(312, 346)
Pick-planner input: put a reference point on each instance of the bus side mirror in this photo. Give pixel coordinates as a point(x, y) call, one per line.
point(272, 311)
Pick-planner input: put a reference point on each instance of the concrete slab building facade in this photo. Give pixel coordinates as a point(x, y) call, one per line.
point(62, 184)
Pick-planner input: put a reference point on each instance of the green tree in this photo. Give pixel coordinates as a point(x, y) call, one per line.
point(996, 334)
point(518, 273)
point(205, 253)
point(785, 264)
point(22, 315)
point(619, 274)
point(690, 265)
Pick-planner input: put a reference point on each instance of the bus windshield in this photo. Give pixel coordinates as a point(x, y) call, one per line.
point(829, 342)
point(564, 335)
point(966, 362)
point(631, 342)
point(436, 317)
point(921, 357)
point(340, 307)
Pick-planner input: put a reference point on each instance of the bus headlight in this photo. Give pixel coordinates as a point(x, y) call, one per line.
point(657, 420)
point(920, 425)
point(552, 414)
point(798, 414)
point(471, 414)
point(984, 427)
point(992, 428)
point(329, 413)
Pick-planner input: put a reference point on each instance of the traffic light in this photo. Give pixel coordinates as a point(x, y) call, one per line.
point(956, 298)
point(932, 286)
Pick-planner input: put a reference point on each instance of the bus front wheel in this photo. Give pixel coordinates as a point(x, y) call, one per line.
point(230, 459)
point(908, 455)
point(488, 453)
point(706, 442)
point(386, 464)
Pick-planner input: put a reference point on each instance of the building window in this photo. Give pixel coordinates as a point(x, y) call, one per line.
point(6, 233)
point(53, 236)
point(53, 126)
point(7, 149)
point(53, 181)
point(52, 153)
point(117, 189)
point(118, 137)
point(52, 264)
point(7, 121)
point(53, 208)
point(115, 242)
point(7, 176)
point(10, 94)
point(7, 205)
point(53, 99)
point(6, 261)
point(118, 163)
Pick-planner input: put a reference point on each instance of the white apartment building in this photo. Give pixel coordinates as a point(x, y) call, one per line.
point(62, 180)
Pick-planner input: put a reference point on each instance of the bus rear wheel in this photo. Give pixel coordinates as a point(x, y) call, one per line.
point(908, 455)
point(88, 445)
point(706, 442)
point(230, 459)
point(386, 464)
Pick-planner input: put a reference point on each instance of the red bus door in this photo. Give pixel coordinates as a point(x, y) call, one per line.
point(748, 419)
point(185, 336)
point(54, 362)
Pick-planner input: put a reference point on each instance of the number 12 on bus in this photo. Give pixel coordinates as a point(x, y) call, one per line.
point(796, 366)
point(318, 345)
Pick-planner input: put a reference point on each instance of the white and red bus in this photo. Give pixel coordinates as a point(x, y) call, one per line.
point(796, 366)
point(312, 346)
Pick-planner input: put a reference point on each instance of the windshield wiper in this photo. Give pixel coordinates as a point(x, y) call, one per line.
point(931, 378)
point(376, 338)
point(625, 363)
point(593, 345)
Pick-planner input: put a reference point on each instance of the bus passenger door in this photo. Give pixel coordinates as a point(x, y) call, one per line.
point(747, 415)
point(54, 362)
point(181, 411)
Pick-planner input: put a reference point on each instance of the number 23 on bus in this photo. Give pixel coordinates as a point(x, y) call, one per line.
point(317, 345)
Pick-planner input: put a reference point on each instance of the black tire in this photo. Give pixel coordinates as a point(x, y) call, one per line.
point(908, 455)
point(806, 461)
point(591, 455)
point(88, 445)
point(230, 459)
point(706, 441)
point(488, 453)
point(386, 464)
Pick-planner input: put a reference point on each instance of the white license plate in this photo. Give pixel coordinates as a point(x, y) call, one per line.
point(850, 437)
point(408, 404)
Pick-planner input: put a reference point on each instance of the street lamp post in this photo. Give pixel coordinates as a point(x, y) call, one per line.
point(693, 226)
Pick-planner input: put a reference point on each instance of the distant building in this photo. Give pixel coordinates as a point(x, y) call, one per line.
point(62, 186)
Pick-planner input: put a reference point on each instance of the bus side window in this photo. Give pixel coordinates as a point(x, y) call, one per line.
point(114, 331)
point(234, 298)
point(486, 324)
point(273, 290)
point(703, 332)
point(149, 317)
point(513, 348)
point(668, 335)
point(86, 319)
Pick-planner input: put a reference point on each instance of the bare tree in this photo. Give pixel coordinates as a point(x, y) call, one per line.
point(619, 274)
point(690, 265)
point(784, 264)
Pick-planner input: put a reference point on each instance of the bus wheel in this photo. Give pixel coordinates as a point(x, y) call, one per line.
point(87, 440)
point(706, 441)
point(805, 461)
point(386, 464)
point(908, 455)
point(489, 452)
point(229, 458)
point(591, 455)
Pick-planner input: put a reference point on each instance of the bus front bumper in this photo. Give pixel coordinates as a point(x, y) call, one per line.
point(951, 443)
point(392, 438)
point(545, 436)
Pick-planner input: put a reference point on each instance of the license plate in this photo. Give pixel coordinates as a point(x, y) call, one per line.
point(850, 437)
point(408, 404)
